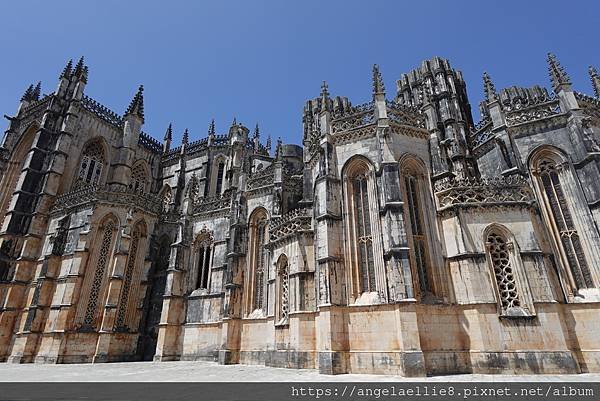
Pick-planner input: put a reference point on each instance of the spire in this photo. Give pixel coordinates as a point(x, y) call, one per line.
point(256, 132)
point(324, 96)
point(136, 107)
point(169, 133)
point(37, 91)
point(278, 149)
point(378, 87)
point(186, 137)
point(595, 80)
point(489, 88)
point(268, 145)
point(211, 127)
point(28, 95)
point(66, 73)
point(79, 67)
point(558, 76)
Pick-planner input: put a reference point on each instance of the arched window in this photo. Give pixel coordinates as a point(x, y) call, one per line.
point(508, 273)
point(363, 232)
point(131, 277)
point(220, 177)
point(203, 254)
point(139, 178)
point(91, 165)
point(561, 222)
point(97, 271)
point(166, 195)
point(283, 290)
point(413, 189)
point(258, 230)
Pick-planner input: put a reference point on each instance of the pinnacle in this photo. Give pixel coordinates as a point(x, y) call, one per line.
point(489, 88)
point(378, 87)
point(27, 96)
point(169, 132)
point(324, 89)
point(136, 107)
point(66, 73)
point(558, 75)
point(79, 67)
point(211, 127)
point(37, 91)
point(278, 149)
point(256, 131)
point(595, 80)
point(186, 137)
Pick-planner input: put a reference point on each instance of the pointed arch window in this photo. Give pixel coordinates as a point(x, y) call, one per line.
point(417, 233)
point(131, 278)
point(91, 165)
point(258, 229)
point(139, 178)
point(513, 294)
point(220, 177)
point(283, 290)
point(562, 224)
point(95, 279)
point(364, 250)
point(204, 255)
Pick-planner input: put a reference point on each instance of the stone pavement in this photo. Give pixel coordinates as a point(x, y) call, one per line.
point(200, 371)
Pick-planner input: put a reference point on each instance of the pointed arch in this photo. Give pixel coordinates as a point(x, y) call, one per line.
point(283, 290)
point(566, 215)
point(93, 289)
point(217, 174)
point(166, 196)
point(93, 162)
point(131, 275)
point(14, 168)
point(140, 173)
point(509, 279)
point(414, 184)
point(258, 230)
point(203, 251)
point(364, 248)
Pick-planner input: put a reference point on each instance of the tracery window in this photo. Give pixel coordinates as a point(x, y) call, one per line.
point(204, 253)
point(138, 178)
point(563, 225)
point(283, 289)
point(129, 278)
point(364, 239)
point(258, 229)
point(95, 280)
point(220, 177)
point(418, 239)
point(503, 271)
point(91, 165)
point(167, 198)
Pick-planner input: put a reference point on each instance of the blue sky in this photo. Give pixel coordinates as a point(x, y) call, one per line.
point(260, 60)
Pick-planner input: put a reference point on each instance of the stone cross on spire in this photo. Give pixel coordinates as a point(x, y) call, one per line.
point(489, 88)
point(595, 81)
point(558, 76)
point(378, 87)
point(136, 107)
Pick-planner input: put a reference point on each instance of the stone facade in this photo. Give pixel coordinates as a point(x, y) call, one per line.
point(401, 238)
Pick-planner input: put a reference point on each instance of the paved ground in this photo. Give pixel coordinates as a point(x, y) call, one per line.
point(212, 372)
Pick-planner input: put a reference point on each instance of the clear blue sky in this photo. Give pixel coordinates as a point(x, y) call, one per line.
point(260, 60)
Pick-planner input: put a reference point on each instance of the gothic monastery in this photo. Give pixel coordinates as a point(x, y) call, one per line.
point(400, 238)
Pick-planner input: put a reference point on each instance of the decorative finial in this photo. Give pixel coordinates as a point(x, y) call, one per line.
point(136, 107)
point(169, 132)
point(79, 67)
point(186, 137)
point(595, 81)
point(66, 73)
point(211, 127)
point(37, 91)
point(489, 88)
point(234, 122)
point(268, 145)
point(256, 132)
point(378, 87)
point(558, 76)
point(324, 96)
point(28, 95)
point(278, 149)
